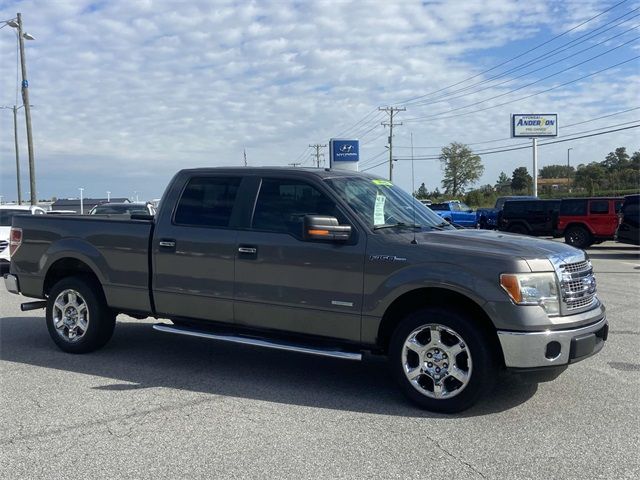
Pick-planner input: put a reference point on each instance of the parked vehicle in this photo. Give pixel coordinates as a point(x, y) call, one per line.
point(629, 227)
point(585, 221)
point(487, 218)
point(454, 211)
point(529, 217)
point(7, 212)
point(123, 209)
point(324, 262)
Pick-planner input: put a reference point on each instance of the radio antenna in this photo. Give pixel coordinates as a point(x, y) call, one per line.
point(413, 193)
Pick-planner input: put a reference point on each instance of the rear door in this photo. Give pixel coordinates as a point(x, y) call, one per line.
point(285, 283)
point(194, 250)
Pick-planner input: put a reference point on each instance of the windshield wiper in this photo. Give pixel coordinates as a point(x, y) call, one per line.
point(397, 225)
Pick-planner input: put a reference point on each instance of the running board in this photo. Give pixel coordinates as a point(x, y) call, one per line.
point(259, 342)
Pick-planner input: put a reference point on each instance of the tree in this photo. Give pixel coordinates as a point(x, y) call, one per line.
point(557, 171)
point(503, 184)
point(521, 180)
point(617, 160)
point(590, 176)
point(461, 168)
point(422, 192)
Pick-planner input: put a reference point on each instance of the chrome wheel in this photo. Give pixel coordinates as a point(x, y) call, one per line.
point(436, 361)
point(70, 315)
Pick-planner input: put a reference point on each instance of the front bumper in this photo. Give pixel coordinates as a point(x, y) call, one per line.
point(552, 347)
point(11, 282)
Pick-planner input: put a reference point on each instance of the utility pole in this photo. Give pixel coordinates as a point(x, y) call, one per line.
point(27, 112)
point(15, 139)
point(392, 111)
point(244, 151)
point(295, 164)
point(317, 146)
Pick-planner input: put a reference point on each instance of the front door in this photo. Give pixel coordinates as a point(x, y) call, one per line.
point(286, 283)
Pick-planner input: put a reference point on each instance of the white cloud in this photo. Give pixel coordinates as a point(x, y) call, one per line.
point(126, 93)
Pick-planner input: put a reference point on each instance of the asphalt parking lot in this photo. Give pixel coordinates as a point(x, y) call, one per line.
point(153, 405)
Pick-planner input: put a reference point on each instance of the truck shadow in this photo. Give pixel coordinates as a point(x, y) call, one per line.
point(138, 357)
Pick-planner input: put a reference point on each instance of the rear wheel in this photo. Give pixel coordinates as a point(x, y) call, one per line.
point(78, 318)
point(578, 236)
point(442, 360)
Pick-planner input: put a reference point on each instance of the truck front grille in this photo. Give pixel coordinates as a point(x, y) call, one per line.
point(578, 285)
point(3, 244)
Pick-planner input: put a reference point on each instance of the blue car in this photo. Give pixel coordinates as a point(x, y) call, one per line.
point(454, 211)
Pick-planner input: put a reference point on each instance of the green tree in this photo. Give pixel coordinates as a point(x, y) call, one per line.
point(590, 176)
point(503, 184)
point(557, 171)
point(521, 181)
point(422, 191)
point(461, 168)
point(617, 160)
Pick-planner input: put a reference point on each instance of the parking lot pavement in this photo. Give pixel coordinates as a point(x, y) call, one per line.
point(152, 405)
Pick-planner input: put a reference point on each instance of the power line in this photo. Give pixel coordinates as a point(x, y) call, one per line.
point(318, 154)
point(521, 98)
point(517, 56)
point(544, 56)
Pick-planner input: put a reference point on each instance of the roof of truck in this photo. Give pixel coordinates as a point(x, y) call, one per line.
point(318, 172)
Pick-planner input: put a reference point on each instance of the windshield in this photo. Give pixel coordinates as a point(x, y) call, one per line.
point(379, 203)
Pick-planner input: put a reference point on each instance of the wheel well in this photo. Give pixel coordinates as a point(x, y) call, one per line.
point(66, 267)
point(578, 224)
point(433, 297)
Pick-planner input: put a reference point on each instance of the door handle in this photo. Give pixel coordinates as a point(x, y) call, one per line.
point(249, 250)
point(167, 243)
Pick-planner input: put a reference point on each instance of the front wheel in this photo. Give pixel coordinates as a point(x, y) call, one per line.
point(442, 360)
point(78, 318)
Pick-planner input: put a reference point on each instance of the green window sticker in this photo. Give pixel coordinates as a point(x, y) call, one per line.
point(385, 183)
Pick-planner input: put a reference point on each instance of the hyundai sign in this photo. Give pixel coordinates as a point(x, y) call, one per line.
point(344, 153)
point(534, 125)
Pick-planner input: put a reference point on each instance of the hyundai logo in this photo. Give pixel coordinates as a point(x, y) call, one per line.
point(346, 148)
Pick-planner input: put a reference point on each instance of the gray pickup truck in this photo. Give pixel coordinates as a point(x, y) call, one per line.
point(323, 262)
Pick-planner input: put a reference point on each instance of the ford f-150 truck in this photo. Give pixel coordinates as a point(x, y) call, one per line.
point(323, 262)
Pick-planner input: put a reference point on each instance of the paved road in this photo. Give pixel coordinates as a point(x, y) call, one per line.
point(151, 405)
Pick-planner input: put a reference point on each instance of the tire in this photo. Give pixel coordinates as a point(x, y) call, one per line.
point(476, 363)
point(519, 229)
point(578, 236)
point(78, 307)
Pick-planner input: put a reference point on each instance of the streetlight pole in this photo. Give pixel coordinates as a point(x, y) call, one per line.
point(15, 139)
point(81, 200)
point(568, 167)
point(27, 109)
point(108, 196)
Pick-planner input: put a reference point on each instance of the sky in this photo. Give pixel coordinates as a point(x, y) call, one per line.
point(125, 93)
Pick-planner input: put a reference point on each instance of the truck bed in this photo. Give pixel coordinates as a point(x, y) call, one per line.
point(116, 250)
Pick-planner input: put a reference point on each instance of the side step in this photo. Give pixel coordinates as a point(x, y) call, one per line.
point(259, 342)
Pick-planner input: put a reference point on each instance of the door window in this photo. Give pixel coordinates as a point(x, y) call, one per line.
point(599, 207)
point(283, 203)
point(207, 201)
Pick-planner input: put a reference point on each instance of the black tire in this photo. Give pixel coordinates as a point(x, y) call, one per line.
point(100, 321)
point(519, 229)
point(483, 366)
point(578, 236)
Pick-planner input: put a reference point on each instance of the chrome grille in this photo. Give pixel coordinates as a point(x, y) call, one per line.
point(3, 244)
point(578, 285)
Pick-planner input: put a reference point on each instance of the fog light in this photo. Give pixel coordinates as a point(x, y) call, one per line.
point(553, 350)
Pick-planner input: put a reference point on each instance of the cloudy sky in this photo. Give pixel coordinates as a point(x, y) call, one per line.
point(125, 93)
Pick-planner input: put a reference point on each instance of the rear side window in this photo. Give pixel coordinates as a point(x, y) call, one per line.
point(516, 208)
point(283, 203)
point(573, 207)
point(207, 201)
point(599, 207)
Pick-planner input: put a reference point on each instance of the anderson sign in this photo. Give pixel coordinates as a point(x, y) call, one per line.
point(534, 125)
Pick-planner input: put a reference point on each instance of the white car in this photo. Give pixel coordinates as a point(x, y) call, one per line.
point(6, 214)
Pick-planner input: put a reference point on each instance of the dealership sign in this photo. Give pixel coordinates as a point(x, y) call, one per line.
point(343, 150)
point(534, 125)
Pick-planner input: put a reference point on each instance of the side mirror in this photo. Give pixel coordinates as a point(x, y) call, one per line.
point(323, 228)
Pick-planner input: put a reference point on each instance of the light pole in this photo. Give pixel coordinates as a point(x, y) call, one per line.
point(81, 200)
point(568, 169)
point(17, 24)
point(108, 196)
point(15, 139)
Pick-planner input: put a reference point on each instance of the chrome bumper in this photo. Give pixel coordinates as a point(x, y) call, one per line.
point(552, 347)
point(11, 282)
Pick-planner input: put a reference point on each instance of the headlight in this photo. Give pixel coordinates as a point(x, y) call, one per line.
point(533, 289)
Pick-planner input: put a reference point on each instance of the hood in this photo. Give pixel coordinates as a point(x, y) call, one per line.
point(499, 244)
